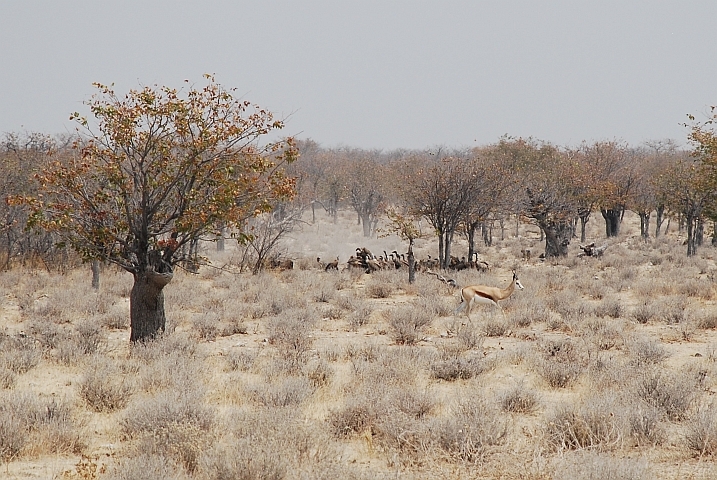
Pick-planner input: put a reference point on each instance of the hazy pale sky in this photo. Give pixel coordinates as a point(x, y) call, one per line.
point(379, 74)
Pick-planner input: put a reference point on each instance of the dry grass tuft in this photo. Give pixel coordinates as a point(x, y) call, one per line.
point(590, 424)
point(103, 386)
point(519, 399)
point(408, 324)
point(701, 431)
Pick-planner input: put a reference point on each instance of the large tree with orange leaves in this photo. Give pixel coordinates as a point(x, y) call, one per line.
point(155, 169)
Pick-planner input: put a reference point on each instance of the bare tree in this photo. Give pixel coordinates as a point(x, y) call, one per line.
point(614, 171)
point(365, 185)
point(441, 191)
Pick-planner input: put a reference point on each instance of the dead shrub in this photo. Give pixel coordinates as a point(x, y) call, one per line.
point(470, 337)
point(415, 402)
point(707, 321)
point(46, 333)
point(103, 386)
point(360, 316)
point(379, 289)
point(559, 374)
point(245, 460)
point(672, 394)
point(701, 431)
point(185, 442)
point(319, 373)
point(359, 414)
point(37, 426)
point(206, 326)
point(672, 309)
point(696, 288)
point(89, 337)
point(456, 367)
point(645, 312)
point(291, 391)
point(646, 351)
point(495, 327)
point(561, 363)
point(160, 412)
point(18, 354)
point(274, 437)
point(241, 360)
point(602, 334)
point(519, 399)
point(408, 324)
point(609, 307)
point(645, 425)
point(166, 345)
point(7, 378)
point(593, 423)
point(13, 435)
point(438, 306)
point(525, 314)
point(471, 426)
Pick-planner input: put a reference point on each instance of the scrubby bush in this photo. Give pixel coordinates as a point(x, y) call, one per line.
point(646, 351)
point(592, 423)
point(159, 412)
point(519, 399)
point(291, 391)
point(469, 429)
point(408, 324)
point(672, 394)
point(18, 354)
point(103, 387)
point(701, 431)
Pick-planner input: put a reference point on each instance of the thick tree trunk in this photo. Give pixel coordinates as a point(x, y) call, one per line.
point(691, 243)
point(584, 214)
point(487, 234)
point(612, 221)
point(441, 261)
point(645, 225)
point(411, 263)
point(557, 239)
point(220, 239)
point(448, 239)
point(471, 232)
point(583, 223)
point(146, 305)
point(96, 274)
point(659, 218)
point(699, 232)
point(366, 220)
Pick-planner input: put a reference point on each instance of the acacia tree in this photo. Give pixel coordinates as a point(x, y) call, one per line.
point(160, 168)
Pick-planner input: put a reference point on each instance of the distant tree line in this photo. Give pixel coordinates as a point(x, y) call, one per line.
point(473, 191)
point(468, 192)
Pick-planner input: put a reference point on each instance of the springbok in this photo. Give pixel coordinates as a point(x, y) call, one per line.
point(486, 295)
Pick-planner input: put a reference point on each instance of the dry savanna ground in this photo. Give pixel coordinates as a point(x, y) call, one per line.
point(601, 368)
